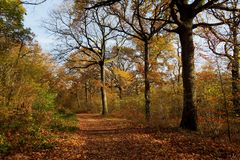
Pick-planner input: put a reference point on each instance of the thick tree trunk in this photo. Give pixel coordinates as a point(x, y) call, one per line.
point(189, 115)
point(103, 90)
point(147, 83)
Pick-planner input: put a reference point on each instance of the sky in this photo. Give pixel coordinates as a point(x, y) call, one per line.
point(34, 20)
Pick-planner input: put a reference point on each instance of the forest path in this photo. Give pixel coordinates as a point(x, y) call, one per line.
point(102, 138)
point(114, 138)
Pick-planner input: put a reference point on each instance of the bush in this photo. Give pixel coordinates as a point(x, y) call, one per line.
point(5, 145)
point(64, 122)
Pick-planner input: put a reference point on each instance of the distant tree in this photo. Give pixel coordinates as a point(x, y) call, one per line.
point(224, 41)
point(122, 69)
point(81, 78)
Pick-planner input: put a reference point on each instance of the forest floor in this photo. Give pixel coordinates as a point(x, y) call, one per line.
point(114, 138)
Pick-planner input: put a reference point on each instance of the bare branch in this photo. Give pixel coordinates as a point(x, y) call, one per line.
point(103, 3)
point(32, 3)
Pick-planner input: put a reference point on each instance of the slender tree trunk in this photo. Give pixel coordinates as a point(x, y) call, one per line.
point(86, 92)
point(86, 95)
point(90, 92)
point(78, 99)
point(224, 100)
point(235, 72)
point(120, 92)
point(103, 90)
point(189, 115)
point(179, 64)
point(136, 89)
point(112, 85)
point(235, 84)
point(147, 83)
point(9, 96)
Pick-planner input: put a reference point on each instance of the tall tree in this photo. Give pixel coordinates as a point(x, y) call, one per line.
point(85, 33)
point(183, 15)
point(139, 19)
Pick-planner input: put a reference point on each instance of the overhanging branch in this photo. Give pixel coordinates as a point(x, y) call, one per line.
point(33, 3)
point(103, 3)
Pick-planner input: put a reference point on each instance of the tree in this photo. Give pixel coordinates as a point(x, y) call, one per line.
point(224, 41)
point(139, 20)
point(122, 69)
point(85, 33)
point(12, 31)
point(183, 14)
point(81, 79)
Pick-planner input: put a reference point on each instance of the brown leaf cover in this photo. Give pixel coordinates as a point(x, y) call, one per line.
point(113, 138)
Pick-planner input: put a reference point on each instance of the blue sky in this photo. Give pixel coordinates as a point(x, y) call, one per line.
point(34, 20)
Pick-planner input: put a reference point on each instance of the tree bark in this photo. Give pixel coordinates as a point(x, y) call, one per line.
point(103, 90)
point(189, 115)
point(147, 83)
point(235, 72)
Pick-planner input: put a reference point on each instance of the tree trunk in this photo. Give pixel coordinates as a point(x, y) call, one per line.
point(120, 92)
point(147, 82)
point(235, 88)
point(78, 99)
point(103, 90)
point(189, 115)
point(235, 73)
point(86, 95)
point(90, 92)
point(9, 96)
point(86, 92)
point(136, 89)
point(235, 81)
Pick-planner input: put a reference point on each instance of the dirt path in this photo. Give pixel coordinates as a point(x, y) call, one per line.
point(117, 139)
point(114, 139)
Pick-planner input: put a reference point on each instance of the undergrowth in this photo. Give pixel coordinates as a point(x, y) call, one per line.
point(35, 131)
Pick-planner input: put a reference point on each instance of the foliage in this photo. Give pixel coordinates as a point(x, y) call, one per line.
point(133, 64)
point(11, 15)
point(64, 122)
point(5, 146)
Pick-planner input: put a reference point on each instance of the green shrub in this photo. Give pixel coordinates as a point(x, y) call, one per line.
point(5, 146)
point(64, 122)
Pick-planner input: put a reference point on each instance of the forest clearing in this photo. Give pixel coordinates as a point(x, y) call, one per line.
point(119, 79)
